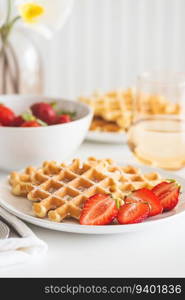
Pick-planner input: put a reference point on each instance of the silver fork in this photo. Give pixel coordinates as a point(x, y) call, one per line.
point(4, 230)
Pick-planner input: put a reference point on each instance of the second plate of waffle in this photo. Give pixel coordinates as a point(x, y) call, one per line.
point(113, 112)
point(53, 195)
point(112, 115)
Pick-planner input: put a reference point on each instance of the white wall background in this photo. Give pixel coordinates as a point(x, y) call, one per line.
point(107, 43)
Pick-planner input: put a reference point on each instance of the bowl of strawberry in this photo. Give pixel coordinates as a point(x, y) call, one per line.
point(35, 128)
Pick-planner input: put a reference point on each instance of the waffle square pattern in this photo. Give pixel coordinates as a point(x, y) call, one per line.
point(58, 191)
point(112, 110)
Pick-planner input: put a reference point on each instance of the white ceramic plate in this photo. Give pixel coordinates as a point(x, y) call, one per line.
point(4, 230)
point(107, 137)
point(21, 207)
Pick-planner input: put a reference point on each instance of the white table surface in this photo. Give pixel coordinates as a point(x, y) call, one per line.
point(158, 252)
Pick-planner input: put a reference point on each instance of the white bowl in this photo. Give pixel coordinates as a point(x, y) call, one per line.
point(20, 147)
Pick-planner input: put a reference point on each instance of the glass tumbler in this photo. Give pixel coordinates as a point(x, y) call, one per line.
point(157, 133)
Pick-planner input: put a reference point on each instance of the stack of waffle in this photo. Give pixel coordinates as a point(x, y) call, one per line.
point(113, 111)
point(58, 191)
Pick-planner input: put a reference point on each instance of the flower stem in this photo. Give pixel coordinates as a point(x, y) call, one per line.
point(11, 24)
point(7, 28)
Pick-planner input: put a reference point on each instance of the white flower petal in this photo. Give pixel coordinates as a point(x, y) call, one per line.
point(56, 14)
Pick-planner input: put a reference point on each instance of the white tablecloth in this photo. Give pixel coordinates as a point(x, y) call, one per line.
point(158, 252)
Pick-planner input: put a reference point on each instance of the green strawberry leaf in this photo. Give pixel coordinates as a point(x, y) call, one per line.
point(53, 104)
point(118, 201)
point(28, 116)
point(171, 180)
point(65, 112)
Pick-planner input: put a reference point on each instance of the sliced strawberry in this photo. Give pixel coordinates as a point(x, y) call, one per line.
point(6, 115)
point(99, 209)
point(168, 194)
point(146, 195)
point(30, 124)
point(131, 213)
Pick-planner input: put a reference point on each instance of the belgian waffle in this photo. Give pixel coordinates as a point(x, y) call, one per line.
point(99, 124)
point(22, 182)
point(60, 190)
point(132, 179)
point(114, 106)
point(63, 194)
point(157, 105)
point(113, 111)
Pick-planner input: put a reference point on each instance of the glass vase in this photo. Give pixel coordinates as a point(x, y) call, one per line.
point(21, 69)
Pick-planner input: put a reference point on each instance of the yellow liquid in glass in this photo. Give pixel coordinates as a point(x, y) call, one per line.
point(159, 142)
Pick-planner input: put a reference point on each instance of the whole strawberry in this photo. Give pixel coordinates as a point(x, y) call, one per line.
point(63, 119)
point(6, 115)
point(44, 111)
point(18, 121)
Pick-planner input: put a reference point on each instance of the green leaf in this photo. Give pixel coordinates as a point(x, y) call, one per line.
point(171, 180)
point(65, 112)
point(53, 104)
point(28, 117)
point(117, 203)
